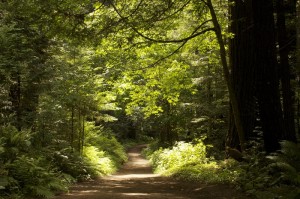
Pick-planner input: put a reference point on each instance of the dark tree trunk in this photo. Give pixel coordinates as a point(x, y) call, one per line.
point(284, 50)
point(227, 76)
point(265, 62)
point(232, 137)
point(241, 49)
point(15, 98)
point(30, 100)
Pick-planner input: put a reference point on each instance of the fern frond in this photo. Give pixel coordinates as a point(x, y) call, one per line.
point(283, 166)
point(57, 184)
point(42, 191)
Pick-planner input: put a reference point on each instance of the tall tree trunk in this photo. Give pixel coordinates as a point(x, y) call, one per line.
point(241, 47)
point(284, 50)
point(268, 96)
point(232, 95)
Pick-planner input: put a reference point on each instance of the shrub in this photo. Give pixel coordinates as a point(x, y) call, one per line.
point(274, 176)
point(104, 140)
point(286, 163)
point(42, 172)
point(188, 161)
point(72, 163)
point(14, 142)
point(25, 172)
point(181, 154)
point(36, 177)
point(100, 163)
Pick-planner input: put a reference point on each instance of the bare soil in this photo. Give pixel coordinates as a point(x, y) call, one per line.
point(135, 180)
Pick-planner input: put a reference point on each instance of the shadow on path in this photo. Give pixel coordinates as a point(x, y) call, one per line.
point(135, 180)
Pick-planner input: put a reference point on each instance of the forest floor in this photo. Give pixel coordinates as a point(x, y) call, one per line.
point(135, 180)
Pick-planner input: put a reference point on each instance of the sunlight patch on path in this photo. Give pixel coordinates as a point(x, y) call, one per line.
point(131, 176)
point(137, 167)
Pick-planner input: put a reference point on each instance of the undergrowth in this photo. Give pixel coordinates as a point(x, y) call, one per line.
point(188, 161)
point(29, 172)
point(267, 177)
point(273, 176)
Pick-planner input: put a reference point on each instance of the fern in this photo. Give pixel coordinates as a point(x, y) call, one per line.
point(15, 142)
point(287, 162)
point(40, 191)
point(36, 178)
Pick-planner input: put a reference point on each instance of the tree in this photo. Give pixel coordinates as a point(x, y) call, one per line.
point(285, 48)
point(242, 70)
point(267, 86)
point(256, 71)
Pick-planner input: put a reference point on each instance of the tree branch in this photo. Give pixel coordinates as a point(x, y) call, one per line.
point(194, 34)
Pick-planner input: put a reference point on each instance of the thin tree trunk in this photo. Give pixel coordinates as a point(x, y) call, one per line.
point(83, 133)
point(79, 131)
point(72, 128)
point(15, 98)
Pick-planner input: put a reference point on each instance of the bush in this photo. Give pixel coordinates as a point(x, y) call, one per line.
point(188, 161)
point(102, 154)
point(72, 163)
point(181, 154)
point(42, 172)
point(274, 176)
point(104, 140)
point(14, 142)
point(100, 163)
point(35, 177)
point(24, 171)
point(287, 162)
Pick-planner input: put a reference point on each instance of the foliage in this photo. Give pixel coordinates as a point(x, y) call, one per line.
point(276, 175)
point(76, 75)
point(35, 177)
point(287, 162)
point(70, 162)
point(260, 177)
point(26, 171)
point(100, 163)
point(105, 141)
point(188, 161)
point(102, 154)
point(14, 143)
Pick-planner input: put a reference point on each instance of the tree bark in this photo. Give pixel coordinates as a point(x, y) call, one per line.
point(265, 62)
point(241, 47)
point(287, 93)
point(232, 95)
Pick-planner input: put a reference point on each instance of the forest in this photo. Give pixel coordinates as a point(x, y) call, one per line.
point(211, 86)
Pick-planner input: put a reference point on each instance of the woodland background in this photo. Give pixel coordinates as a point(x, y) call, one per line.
point(201, 80)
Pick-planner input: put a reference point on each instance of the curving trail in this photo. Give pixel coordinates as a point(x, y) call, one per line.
point(135, 180)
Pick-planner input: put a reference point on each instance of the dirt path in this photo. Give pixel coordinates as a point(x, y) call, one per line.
point(135, 180)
